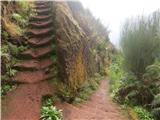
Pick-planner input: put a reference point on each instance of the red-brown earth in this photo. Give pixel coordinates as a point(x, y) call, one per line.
point(98, 107)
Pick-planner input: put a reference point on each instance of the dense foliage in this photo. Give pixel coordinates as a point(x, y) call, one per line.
point(116, 73)
point(135, 74)
point(140, 42)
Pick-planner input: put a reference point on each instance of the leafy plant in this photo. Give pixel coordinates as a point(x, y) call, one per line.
point(19, 19)
point(11, 72)
point(89, 87)
point(81, 94)
point(8, 60)
point(143, 114)
point(66, 93)
point(50, 112)
point(152, 74)
point(5, 35)
point(156, 106)
point(25, 6)
point(14, 50)
point(116, 73)
point(25, 9)
point(6, 88)
point(8, 53)
point(137, 82)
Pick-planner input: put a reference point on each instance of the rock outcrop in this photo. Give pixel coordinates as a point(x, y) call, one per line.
point(78, 35)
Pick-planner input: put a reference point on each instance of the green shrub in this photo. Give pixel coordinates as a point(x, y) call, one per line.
point(152, 74)
point(66, 93)
point(19, 19)
point(140, 41)
point(5, 35)
point(6, 88)
point(88, 89)
point(25, 9)
point(7, 61)
point(80, 94)
point(51, 113)
point(143, 114)
point(116, 73)
point(16, 50)
point(9, 52)
point(135, 91)
point(156, 107)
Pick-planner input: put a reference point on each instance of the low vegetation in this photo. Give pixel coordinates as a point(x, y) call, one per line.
point(135, 71)
point(71, 95)
point(15, 18)
point(142, 113)
point(6, 88)
point(50, 112)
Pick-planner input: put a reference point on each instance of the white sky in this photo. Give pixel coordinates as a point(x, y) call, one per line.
point(113, 13)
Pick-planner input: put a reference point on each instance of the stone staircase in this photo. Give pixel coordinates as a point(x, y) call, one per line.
point(34, 70)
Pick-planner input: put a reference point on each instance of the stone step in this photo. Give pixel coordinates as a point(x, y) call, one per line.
point(37, 52)
point(37, 7)
point(40, 31)
point(41, 24)
point(41, 17)
point(43, 11)
point(40, 41)
point(41, 2)
point(31, 76)
point(34, 64)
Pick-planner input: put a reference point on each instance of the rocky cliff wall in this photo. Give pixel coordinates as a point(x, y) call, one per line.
point(76, 40)
point(71, 43)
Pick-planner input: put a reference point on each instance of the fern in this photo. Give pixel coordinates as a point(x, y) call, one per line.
point(19, 19)
point(156, 106)
point(156, 113)
point(153, 72)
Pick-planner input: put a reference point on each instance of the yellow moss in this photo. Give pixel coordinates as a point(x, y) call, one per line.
point(12, 29)
point(132, 114)
point(78, 74)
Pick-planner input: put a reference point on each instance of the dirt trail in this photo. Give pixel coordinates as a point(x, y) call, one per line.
point(99, 107)
point(24, 103)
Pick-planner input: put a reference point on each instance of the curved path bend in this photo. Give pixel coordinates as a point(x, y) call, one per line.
point(99, 107)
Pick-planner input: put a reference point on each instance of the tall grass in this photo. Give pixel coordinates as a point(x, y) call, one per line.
point(140, 42)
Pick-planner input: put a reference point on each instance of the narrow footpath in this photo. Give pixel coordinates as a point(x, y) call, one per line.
point(24, 103)
point(99, 107)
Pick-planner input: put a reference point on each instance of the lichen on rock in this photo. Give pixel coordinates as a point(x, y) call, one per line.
point(76, 41)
